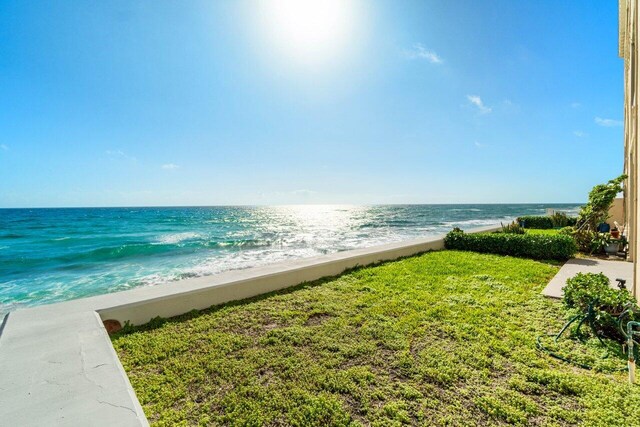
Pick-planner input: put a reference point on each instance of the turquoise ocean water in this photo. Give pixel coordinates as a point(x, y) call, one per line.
point(51, 255)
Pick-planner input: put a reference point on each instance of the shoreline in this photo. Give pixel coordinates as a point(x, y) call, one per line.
point(84, 256)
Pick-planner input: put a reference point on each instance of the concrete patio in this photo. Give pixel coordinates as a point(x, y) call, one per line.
point(612, 269)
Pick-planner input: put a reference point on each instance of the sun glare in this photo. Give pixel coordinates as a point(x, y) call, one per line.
point(311, 31)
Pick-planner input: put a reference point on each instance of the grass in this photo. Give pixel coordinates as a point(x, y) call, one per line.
point(445, 338)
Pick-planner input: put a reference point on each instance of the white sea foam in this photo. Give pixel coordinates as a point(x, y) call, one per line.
point(154, 279)
point(174, 238)
point(477, 222)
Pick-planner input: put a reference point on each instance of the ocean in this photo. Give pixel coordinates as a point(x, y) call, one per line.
point(52, 255)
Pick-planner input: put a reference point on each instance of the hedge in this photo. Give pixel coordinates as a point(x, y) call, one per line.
point(536, 246)
point(544, 222)
point(536, 221)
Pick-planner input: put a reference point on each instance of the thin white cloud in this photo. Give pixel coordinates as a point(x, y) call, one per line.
point(418, 51)
point(580, 134)
point(170, 166)
point(576, 105)
point(118, 154)
point(479, 145)
point(4, 147)
point(477, 101)
point(607, 122)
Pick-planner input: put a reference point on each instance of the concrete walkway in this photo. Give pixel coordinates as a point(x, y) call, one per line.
point(612, 269)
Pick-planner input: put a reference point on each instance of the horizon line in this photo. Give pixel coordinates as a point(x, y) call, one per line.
point(288, 204)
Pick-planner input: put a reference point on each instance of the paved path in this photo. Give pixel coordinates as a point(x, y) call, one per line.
point(612, 269)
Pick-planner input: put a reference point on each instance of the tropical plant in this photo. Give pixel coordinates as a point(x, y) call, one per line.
point(595, 212)
point(589, 291)
point(599, 241)
point(567, 231)
point(561, 219)
point(513, 228)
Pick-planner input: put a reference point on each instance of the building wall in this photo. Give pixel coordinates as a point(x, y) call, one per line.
point(616, 212)
point(628, 50)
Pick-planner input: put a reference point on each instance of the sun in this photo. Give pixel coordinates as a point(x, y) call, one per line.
point(310, 31)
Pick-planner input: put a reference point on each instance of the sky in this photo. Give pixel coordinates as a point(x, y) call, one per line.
point(141, 103)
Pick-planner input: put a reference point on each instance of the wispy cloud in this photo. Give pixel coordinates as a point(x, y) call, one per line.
point(479, 145)
point(170, 166)
point(477, 101)
point(119, 154)
point(418, 51)
point(580, 134)
point(607, 122)
point(576, 105)
point(4, 147)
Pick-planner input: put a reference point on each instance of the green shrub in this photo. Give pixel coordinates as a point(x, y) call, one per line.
point(536, 246)
point(599, 242)
point(513, 228)
point(557, 220)
point(567, 231)
point(534, 221)
point(584, 239)
point(561, 219)
point(586, 289)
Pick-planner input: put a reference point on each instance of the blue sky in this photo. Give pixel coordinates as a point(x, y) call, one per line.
point(206, 103)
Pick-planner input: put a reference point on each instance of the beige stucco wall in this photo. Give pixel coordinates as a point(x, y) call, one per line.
point(616, 213)
point(628, 50)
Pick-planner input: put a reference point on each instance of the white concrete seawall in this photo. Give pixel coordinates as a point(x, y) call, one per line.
point(57, 364)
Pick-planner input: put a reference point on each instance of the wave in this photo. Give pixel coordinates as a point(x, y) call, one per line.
point(118, 252)
point(135, 250)
point(177, 238)
point(392, 223)
point(476, 222)
point(241, 243)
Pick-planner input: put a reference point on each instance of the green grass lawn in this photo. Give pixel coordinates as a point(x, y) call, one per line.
point(445, 338)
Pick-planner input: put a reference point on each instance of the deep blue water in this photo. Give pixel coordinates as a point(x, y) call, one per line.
point(50, 255)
